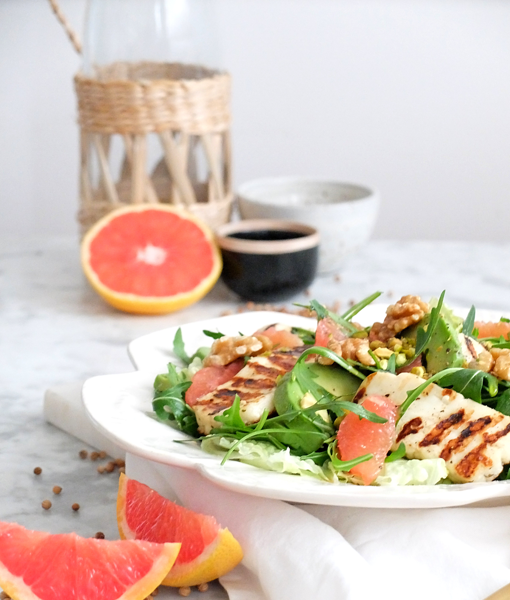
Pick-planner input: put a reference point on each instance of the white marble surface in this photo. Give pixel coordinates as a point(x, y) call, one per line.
point(55, 330)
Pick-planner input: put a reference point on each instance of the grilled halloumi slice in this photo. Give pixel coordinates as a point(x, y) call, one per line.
point(254, 384)
point(473, 439)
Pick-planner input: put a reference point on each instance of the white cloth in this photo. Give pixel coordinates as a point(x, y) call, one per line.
point(305, 552)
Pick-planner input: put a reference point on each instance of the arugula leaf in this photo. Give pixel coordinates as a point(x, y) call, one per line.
point(178, 347)
point(397, 454)
point(503, 403)
point(323, 312)
point(413, 394)
point(356, 308)
point(215, 335)
point(470, 383)
point(170, 379)
point(392, 364)
point(504, 320)
point(169, 406)
point(306, 336)
point(422, 336)
point(231, 418)
point(326, 352)
point(469, 323)
point(301, 430)
point(345, 465)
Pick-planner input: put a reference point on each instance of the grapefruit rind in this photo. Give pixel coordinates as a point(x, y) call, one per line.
point(217, 559)
point(150, 305)
point(16, 588)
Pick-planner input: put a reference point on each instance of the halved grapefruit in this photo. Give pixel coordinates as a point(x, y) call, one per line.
point(35, 565)
point(150, 259)
point(207, 551)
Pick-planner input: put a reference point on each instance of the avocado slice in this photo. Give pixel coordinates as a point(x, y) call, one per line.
point(444, 349)
point(335, 380)
point(289, 397)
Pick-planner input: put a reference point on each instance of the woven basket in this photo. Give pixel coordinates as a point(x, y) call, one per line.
point(186, 108)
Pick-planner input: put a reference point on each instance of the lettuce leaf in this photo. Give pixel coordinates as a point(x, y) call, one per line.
point(428, 471)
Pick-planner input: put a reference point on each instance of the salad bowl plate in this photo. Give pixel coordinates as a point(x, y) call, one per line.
point(120, 406)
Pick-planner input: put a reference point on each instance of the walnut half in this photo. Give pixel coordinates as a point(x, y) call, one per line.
point(227, 349)
point(350, 349)
point(404, 313)
point(501, 368)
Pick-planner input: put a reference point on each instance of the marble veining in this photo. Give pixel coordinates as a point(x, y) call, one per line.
point(54, 329)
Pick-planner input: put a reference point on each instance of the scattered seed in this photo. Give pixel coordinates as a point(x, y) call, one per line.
point(184, 591)
point(99, 535)
point(203, 587)
point(46, 504)
point(75, 506)
point(38, 470)
point(120, 462)
point(83, 454)
point(94, 455)
point(122, 469)
point(100, 469)
point(155, 592)
point(109, 467)
point(57, 489)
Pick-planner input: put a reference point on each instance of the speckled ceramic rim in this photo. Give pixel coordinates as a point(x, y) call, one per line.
point(310, 239)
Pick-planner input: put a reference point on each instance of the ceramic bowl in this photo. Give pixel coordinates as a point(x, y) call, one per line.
point(267, 260)
point(343, 213)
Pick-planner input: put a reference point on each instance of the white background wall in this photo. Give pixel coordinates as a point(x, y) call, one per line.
point(410, 96)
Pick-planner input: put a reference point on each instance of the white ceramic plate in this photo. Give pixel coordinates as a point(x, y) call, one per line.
point(120, 407)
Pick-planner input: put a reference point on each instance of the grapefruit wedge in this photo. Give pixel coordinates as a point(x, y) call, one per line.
point(207, 551)
point(150, 259)
point(35, 565)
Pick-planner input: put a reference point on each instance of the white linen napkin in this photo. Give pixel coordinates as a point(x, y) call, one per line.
point(303, 552)
point(308, 552)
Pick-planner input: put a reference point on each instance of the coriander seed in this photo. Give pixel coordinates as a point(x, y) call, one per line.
point(203, 587)
point(37, 471)
point(57, 489)
point(184, 591)
point(46, 504)
point(83, 454)
point(75, 506)
point(94, 455)
point(99, 535)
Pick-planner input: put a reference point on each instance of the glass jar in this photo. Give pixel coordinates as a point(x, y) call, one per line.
point(154, 109)
point(173, 31)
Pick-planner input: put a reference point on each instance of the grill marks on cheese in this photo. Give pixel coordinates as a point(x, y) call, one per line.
point(473, 439)
point(254, 384)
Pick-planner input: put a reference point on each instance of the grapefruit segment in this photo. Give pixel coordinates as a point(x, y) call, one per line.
point(207, 551)
point(488, 329)
point(328, 330)
point(35, 565)
point(150, 259)
point(207, 379)
point(357, 437)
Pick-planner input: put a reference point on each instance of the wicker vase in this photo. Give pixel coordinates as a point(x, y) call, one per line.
point(153, 133)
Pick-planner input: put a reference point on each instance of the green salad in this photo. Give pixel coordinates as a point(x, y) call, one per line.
point(420, 398)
